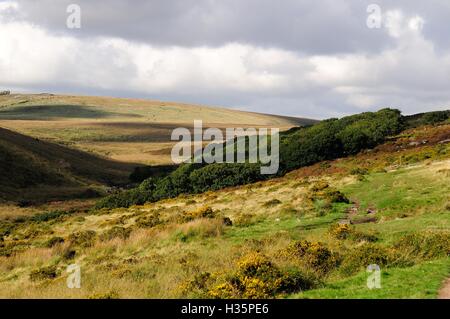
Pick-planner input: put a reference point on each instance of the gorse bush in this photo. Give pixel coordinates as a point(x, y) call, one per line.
point(346, 231)
point(84, 238)
point(257, 277)
point(326, 140)
point(313, 255)
point(148, 221)
point(201, 212)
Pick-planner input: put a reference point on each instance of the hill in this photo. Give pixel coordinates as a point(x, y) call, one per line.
point(308, 234)
point(36, 170)
point(129, 130)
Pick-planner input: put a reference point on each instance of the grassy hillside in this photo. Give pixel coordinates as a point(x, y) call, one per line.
point(299, 147)
point(130, 130)
point(308, 234)
point(35, 170)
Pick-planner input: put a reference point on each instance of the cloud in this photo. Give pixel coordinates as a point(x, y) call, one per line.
point(408, 70)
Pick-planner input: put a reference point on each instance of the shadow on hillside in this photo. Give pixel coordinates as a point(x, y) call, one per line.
point(42, 154)
point(48, 112)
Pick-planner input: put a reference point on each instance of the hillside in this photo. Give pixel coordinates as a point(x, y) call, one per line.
point(35, 170)
point(308, 234)
point(129, 130)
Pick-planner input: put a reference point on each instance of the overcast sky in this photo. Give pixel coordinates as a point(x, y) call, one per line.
point(294, 57)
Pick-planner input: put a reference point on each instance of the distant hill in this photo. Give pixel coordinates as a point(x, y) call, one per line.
point(129, 130)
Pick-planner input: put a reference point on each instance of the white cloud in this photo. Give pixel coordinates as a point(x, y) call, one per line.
point(411, 75)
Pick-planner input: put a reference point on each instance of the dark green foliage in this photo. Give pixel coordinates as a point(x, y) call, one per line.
point(217, 176)
point(44, 273)
point(338, 137)
point(45, 217)
point(141, 173)
point(326, 140)
point(295, 280)
point(124, 199)
point(428, 118)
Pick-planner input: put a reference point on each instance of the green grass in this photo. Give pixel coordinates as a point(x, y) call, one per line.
point(297, 227)
point(401, 191)
point(419, 281)
point(154, 262)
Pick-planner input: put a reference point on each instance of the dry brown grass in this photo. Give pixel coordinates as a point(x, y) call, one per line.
point(130, 130)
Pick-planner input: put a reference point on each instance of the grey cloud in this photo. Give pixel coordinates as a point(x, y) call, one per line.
point(308, 26)
point(415, 79)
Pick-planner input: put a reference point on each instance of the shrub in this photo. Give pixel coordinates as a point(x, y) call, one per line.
point(295, 280)
point(340, 231)
point(197, 286)
point(333, 196)
point(424, 245)
point(220, 175)
point(257, 277)
point(116, 232)
point(54, 241)
point(313, 255)
point(44, 217)
point(322, 191)
point(44, 273)
point(346, 231)
point(147, 221)
point(83, 238)
point(201, 212)
point(365, 255)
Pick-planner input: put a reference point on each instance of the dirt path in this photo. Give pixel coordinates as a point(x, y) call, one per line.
point(444, 292)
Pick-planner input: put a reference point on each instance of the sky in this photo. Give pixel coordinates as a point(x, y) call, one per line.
point(307, 58)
